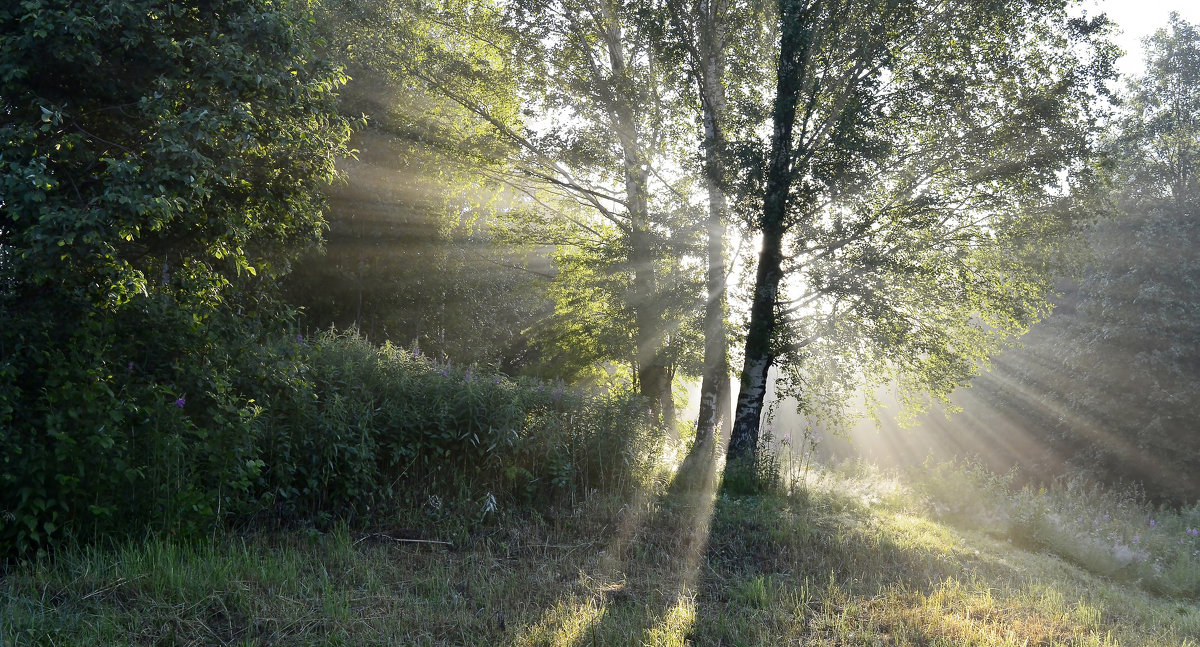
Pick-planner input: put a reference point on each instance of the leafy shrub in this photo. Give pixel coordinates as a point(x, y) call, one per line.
point(126, 420)
point(183, 430)
point(379, 427)
point(161, 166)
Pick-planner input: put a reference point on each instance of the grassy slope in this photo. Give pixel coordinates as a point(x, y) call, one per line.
point(850, 561)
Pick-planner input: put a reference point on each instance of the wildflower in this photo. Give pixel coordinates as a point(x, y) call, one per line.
point(1193, 532)
point(1136, 538)
point(416, 352)
point(180, 402)
point(130, 366)
point(786, 439)
point(1152, 523)
point(496, 380)
point(299, 339)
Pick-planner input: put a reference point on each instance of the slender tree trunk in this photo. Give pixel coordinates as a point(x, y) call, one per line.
point(714, 384)
point(795, 37)
point(654, 380)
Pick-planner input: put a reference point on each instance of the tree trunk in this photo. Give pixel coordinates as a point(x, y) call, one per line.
point(714, 384)
point(654, 380)
point(743, 440)
point(795, 37)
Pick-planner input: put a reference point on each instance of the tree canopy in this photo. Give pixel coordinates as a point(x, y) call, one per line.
point(1116, 366)
point(913, 179)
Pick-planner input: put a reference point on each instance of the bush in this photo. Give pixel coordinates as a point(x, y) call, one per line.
point(381, 427)
point(123, 421)
point(289, 430)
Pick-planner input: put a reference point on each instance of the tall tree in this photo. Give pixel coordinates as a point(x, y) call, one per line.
point(587, 131)
point(917, 155)
point(709, 35)
point(597, 64)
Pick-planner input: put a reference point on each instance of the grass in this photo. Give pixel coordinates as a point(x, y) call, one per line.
point(1110, 532)
point(851, 558)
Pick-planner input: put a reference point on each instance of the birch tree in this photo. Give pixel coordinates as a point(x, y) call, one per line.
point(708, 36)
point(919, 153)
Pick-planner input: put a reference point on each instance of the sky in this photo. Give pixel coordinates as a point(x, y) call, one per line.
point(1140, 18)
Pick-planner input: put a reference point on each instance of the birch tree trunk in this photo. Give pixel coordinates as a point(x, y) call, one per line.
point(795, 37)
point(654, 379)
point(714, 384)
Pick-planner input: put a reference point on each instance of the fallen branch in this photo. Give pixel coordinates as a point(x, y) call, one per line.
point(401, 540)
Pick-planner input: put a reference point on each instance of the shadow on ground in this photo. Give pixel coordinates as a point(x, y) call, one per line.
point(697, 566)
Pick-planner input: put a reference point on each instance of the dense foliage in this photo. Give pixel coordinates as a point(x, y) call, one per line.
point(161, 163)
point(1116, 370)
point(164, 165)
point(330, 428)
point(369, 428)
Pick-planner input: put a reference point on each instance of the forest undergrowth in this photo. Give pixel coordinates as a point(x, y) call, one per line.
point(823, 556)
point(400, 499)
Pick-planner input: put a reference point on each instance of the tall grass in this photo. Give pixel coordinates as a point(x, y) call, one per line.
point(1111, 532)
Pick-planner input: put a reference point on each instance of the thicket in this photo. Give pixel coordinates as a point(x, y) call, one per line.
point(162, 165)
point(298, 431)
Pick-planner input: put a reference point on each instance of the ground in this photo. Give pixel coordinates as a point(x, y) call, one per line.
point(843, 559)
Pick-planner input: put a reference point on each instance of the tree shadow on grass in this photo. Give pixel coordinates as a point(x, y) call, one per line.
point(647, 578)
point(818, 566)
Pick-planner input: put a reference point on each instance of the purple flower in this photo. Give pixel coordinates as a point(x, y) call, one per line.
point(786, 439)
point(130, 366)
point(1193, 532)
point(1135, 539)
point(496, 380)
point(299, 339)
point(416, 352)
point(180, 402)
